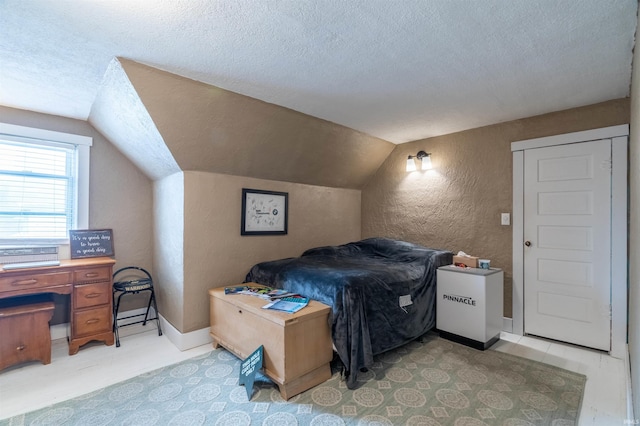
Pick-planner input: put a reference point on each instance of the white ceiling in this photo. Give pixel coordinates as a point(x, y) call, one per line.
point(400, 70)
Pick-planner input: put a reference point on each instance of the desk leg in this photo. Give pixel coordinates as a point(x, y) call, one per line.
point(74, 344)
point(73, 348)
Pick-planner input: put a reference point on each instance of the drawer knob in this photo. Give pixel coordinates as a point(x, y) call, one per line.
point(20, 348)
point(93, 295)
point(91, 274)
point(92, 321)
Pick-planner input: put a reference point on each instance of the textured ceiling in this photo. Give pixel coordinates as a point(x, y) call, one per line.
point(400, 70)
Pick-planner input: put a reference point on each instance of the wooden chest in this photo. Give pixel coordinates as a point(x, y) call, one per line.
point(25, 333)
point(297, 347)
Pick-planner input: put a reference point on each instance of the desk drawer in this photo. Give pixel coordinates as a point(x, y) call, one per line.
point(92, 274)
point(86, 295)
point(33, 281)
point(92, 321)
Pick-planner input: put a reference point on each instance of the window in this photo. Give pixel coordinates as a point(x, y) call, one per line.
point(43, 185)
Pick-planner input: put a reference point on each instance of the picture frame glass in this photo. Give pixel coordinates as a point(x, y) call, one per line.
point(264, 212)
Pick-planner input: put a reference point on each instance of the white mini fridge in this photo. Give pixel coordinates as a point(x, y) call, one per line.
point(469, 305)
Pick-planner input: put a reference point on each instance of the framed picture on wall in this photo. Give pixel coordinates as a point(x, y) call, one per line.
point(264, 212)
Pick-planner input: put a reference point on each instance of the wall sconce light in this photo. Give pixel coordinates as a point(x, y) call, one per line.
point(425, 159)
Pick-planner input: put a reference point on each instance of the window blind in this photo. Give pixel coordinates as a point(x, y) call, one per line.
point(37, 190)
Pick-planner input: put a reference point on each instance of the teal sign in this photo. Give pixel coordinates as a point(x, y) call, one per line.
point(248, 369)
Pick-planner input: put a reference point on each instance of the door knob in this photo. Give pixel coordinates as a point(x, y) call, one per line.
point(527, 243)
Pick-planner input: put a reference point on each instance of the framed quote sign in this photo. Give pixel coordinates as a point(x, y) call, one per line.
point(91, 243)
point(264, 212)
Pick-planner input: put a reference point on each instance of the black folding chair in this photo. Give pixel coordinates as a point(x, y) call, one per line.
point(133, 280)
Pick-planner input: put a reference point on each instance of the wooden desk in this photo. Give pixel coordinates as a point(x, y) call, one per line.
point(87, 281)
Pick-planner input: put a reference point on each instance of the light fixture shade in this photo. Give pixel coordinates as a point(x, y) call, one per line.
point(411, 164)
point(426, 162)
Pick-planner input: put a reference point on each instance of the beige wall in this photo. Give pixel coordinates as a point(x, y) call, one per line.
point(209, 129)
point(457, 205)
point(215, 254)
point(120, 196)
point(168, 246)
point(634, 232)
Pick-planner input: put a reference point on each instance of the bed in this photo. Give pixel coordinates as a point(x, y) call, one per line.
point(381, 292)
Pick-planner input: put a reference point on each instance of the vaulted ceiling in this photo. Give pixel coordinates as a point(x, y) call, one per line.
point(395, 70)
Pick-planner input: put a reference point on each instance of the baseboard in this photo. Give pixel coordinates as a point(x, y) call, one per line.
point(59, 331)
point(134, 315)
point(182, 341)
point(185, 341)
point(507, 324)
point(627, 372)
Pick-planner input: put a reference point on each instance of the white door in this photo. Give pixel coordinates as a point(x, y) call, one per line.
point(567, 232)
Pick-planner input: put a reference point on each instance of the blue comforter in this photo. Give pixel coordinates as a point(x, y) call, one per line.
point(381, 292)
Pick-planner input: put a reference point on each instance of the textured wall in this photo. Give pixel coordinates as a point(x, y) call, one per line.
point(197, 241)
point(168, 247)
point(210, 129)
point(215, 254)
point(120, 196)
point(118, 113)
point(215, 136)
point(457, 205)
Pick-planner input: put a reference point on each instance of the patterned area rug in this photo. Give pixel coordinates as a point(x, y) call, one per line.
point(428, 382)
